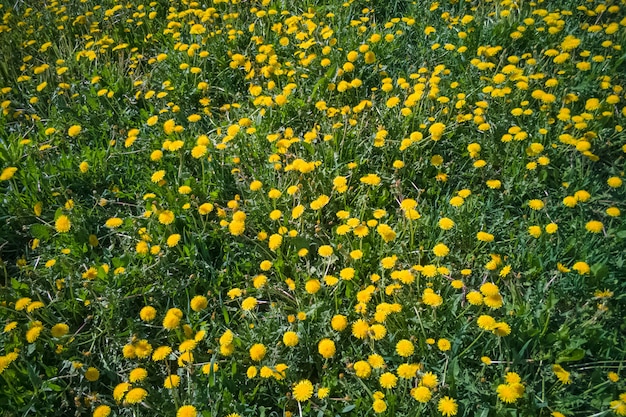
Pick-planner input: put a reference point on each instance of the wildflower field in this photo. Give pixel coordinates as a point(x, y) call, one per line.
point(230, 208)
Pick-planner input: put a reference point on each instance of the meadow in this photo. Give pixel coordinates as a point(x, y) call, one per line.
point(231, 208)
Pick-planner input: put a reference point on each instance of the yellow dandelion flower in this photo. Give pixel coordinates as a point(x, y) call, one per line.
point(187, 410)
point(59, 330)
point(62, 224)
point(114, 222)
point(257, 352)
point(102, 411)
point(171, 381)
point(405, 348)
point(161, 353)
point(74, 131)
point(594, 226)
point(362, 369)
point(326, 348)
point(166, 217)
point(199, 303)
point(388, 380)
point(421, 394)
point(447, 406)
point(136, 395)
point(92, 374)
point(137, 375)
point(303, 390)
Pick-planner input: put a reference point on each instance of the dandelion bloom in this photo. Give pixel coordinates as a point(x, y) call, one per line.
point(326, 348)
point(484, 236)
point(158, 176)
point(581, 267)
point(74, 130)
point(147, 313)
point(444, 345)
point(7, 173)
point(456, 201)
point(441, 250)
point(379, 406)
point(582, 196)
point(474, 298)
point(205, 209)
point(386, 232)
point(102, 411)
point(312, 286)
point(501, 329)
point(303, 390)
point(114, 222)
point(339, 322)
point(388, 380)
point(570, 201)
point(322, 392)
point(362, 369)
point(507, 393)
point(613, 212)
point(171, 320)
point(551, 228)
point(429, 379)
point(137, 375)
point(376, 361)
point(594, 226)
point(377, 331)
point(92, 374)
point(161, 353)
point(136, 395)
point(446, 223)
point(436, 131)
point(33, 333)
point(421, 394)
point(59, 330)
point(173, 240)
point(614, 182)
point(447, 406)
point(535, 204)
point(257, 352)
point(199, 303)
point(166, 217)
point(486, 322)
point(249, 303)
point(431, 298)
point(370, 179)
point(142, 348)
point(360, 329)
point(325, 251)
point(290, 339)
point(561, 374)
point(275, 241)
point(489, 288)
point(407, 370)
point(62, 224)
point(405, 348)
point(186, 411)
point(120, 391)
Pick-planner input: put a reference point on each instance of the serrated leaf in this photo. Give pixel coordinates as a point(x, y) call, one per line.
point(599, 270)
point(571, 356)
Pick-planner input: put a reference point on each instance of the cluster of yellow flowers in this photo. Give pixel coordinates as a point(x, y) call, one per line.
point(320, 200)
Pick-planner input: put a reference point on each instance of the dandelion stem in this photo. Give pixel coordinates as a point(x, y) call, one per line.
point(419, 319)
point(471, 344)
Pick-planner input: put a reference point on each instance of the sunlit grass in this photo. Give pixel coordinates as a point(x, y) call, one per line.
point(258, 208)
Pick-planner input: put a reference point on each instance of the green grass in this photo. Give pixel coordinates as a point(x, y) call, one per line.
point(357, 125)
